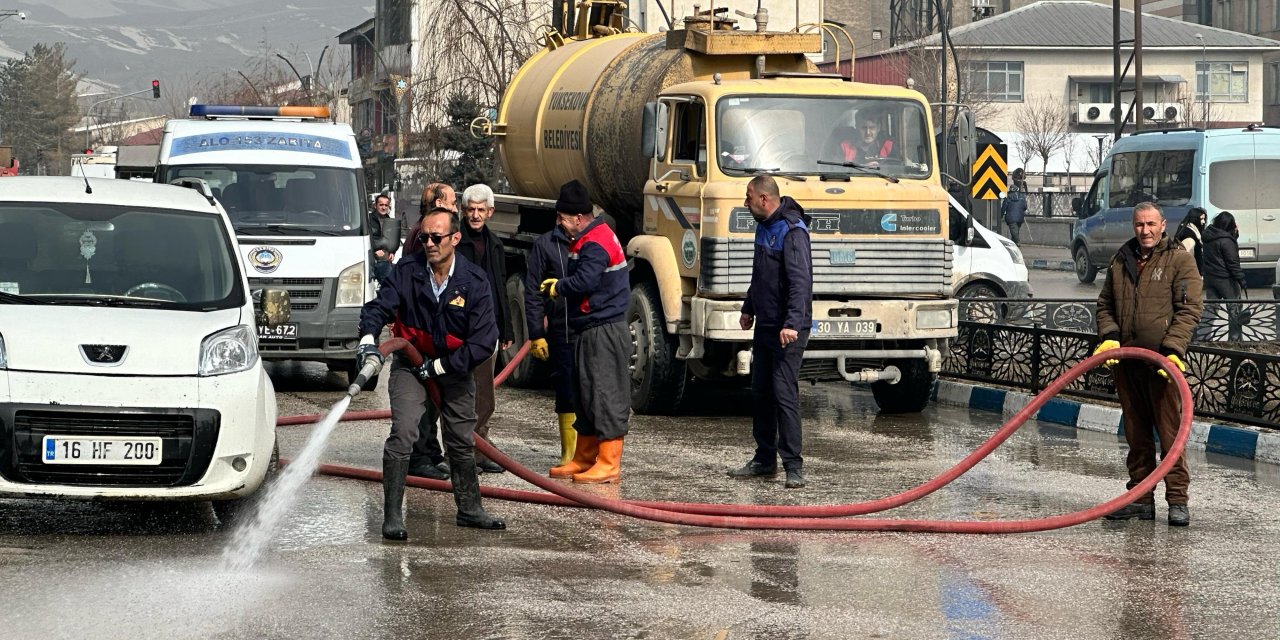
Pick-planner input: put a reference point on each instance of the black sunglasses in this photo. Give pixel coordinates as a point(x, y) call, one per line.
point(437, 238)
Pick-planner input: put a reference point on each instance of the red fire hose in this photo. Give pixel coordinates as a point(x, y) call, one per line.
point(823, 517)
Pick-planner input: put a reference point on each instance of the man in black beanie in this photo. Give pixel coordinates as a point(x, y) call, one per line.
point(597, 292)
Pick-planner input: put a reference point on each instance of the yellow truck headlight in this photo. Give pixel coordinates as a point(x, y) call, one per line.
point(351, 286)
point(928, 318)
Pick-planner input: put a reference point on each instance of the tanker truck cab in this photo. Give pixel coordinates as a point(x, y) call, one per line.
point(292, 185)
point(860, 160)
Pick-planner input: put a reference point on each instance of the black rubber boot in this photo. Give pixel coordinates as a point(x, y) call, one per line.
point(753, 469)
point(466, 494)
point(393, 475)
point(486, 465)
point(1139, 510)
point(1179, 516)
point(424, 468)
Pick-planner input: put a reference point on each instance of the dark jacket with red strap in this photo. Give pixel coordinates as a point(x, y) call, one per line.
point(460, 328)
point(596, 285)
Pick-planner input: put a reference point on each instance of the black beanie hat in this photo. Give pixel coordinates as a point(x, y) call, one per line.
point(573, 198)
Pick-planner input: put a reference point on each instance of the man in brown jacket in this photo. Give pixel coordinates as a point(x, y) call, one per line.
point(1152, 299)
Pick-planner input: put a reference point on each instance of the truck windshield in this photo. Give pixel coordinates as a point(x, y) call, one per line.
point(80, 254)
point(284, 200)
point(816, 135)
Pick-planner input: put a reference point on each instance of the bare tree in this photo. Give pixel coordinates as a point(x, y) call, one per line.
point(1042, 124)
point(923, 66)
point(1069, 144)
point(1196, 113)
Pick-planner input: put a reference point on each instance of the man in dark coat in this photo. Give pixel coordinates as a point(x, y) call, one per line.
point(482, 248)
point(779, 305)
point(1014, 210)
point(547, 321)
point(384, 238)
point(442, 304)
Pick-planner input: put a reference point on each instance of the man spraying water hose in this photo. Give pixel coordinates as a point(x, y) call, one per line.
point(1152, 299)
point(443, 306)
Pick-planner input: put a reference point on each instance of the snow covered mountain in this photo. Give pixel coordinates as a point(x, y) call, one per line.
point(126, 43)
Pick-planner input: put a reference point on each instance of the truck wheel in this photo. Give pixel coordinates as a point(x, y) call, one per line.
point(657, 376)
point(1085, 271)
point(230, 512)
point(912, 392)
point(530, 370)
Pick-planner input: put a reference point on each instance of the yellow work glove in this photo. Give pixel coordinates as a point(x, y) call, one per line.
point(1107, 345)
point(548, 287)
point(538, 349)
point(1177, 362)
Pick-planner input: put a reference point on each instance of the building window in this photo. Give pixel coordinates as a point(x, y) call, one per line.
point(1098, 92)
point(1251, 16)
point(1273, 85)
point(996, 81)
point(1224, 81)
point(1222, 18)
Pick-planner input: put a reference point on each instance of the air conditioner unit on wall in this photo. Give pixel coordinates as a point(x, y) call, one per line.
point(1095, 113)
point(1166, 112)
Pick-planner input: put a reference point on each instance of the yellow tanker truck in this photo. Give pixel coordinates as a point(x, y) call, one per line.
point(665, 130)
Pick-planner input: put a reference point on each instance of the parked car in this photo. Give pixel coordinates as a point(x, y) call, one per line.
point(129, 364)
point(985, 264)
point(1218, 169)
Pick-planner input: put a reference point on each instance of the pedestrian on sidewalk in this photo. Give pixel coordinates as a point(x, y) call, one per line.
point(1190, 235)
point(1014, 209)
point(597, 291)
point(779, 306)
point(441, 303)
point(1223, 277)
point(1151, 299)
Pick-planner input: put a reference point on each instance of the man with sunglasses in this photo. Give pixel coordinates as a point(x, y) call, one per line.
point(441, 303)
point(597, 291)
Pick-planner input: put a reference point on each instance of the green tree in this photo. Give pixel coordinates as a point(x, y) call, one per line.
point(474, 162)
point(38, 109)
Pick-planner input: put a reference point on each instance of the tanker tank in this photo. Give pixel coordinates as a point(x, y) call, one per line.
point(575, 111)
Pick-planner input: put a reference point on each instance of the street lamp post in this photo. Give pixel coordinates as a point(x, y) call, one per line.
point(1204, 96)
point(89, 113)
point(1100, 137)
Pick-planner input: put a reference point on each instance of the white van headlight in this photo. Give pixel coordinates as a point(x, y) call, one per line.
point(351, 286)
point(4, 361)
point(933, 318)
point(228, 351)
point(1014, 252)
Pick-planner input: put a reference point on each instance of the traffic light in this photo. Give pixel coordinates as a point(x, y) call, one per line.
point(155, 88)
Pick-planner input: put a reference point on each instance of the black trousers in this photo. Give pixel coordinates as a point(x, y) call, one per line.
point(602, 381)
point(775, 388)
point(562, 375)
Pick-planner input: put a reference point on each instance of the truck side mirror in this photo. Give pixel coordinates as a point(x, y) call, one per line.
point(653, 130)
point(966, 140)
point(1076, 204)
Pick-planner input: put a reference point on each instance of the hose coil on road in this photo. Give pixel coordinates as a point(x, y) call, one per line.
point(805, 517)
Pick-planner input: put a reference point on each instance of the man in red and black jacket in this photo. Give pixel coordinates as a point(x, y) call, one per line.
point(442, 304)
point(597, 291)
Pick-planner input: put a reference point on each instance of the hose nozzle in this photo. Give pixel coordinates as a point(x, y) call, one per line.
point(369, 370)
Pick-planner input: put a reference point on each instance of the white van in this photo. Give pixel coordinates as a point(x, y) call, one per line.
point(129, 366)
point(985, 264)
point(293, 186)
point(1218, 169)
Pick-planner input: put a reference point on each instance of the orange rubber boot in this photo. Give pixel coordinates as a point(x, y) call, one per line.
point(608, 466)
point(584, 456)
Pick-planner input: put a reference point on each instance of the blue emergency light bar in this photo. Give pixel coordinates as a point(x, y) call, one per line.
point(237, 111)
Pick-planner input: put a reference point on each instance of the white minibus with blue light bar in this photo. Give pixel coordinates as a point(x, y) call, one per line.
point(293, 184)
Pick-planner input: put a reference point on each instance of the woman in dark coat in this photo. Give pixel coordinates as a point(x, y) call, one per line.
point(1190, 235)
point(1223, 277)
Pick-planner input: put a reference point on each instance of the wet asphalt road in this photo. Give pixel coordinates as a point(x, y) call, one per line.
point(89, 570)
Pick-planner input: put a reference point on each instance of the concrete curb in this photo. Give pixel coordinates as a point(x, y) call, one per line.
point(1051, 265)
point(1242, 442)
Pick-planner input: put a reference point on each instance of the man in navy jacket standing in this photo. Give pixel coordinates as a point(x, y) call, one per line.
point(779, 305)
point(442, 304)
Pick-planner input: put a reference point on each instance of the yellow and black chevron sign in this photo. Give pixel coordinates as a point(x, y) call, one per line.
point(991, 172)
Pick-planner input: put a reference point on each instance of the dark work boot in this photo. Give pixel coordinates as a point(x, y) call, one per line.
point(795, 479)
point(393, 475)
point(466, 494)
point(424, 468)
point(1179, 516)
point(753, 469)
point(1139, 510)
point(486, 465)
